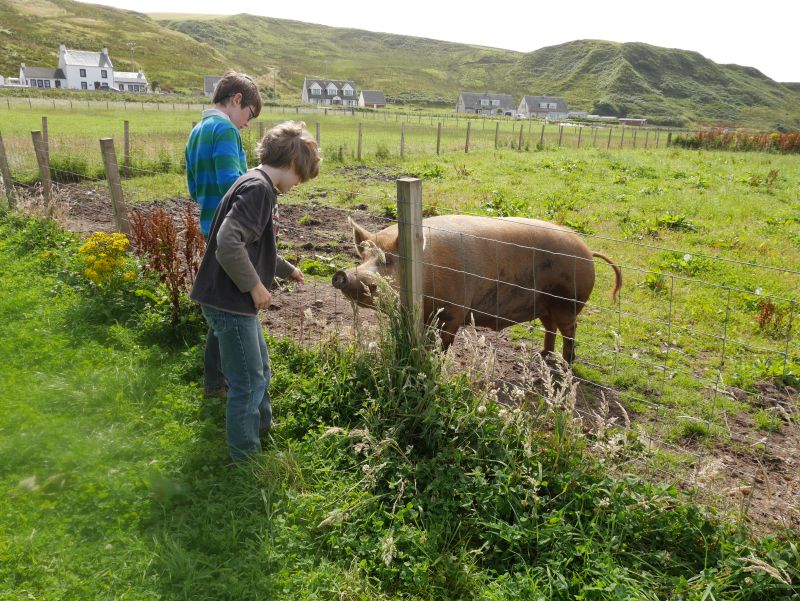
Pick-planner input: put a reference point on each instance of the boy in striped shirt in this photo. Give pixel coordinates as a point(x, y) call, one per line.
point(214, 160)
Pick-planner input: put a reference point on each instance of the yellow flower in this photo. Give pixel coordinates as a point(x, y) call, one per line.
point(128, 276)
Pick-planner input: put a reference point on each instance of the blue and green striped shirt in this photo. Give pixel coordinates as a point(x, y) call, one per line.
point(214, 160)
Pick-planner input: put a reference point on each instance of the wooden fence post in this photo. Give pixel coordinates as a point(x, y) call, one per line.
point(610, 131)
point(646, 137)
point(126, 150)
point(635, 131)
point(318, 134)
point(594, 137)
point(580, 133)
point(409, 224)
point(438, 137)
point(560, 134)
point(44, 170)
point(541, 137)
point(360, 138)
point(466, 142)
point(658, 135)
point(402, 140)
point(622, 139)
point(115, 185)
point(496, 134)
point(260, 130)
point(669, 138)
point(8, 183)
point(46, 138)
point(521, 129)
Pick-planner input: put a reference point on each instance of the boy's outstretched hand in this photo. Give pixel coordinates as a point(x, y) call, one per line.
point(297, 276)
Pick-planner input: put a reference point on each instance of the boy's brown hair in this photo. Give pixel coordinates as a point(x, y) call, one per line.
point(288, 143)
point(233, 83)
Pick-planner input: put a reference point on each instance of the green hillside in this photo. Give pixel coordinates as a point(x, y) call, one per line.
point(667, 86)
point(30, 31)
point(670, 86)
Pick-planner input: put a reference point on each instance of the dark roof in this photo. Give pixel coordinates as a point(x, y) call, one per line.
point(533, 103)
point(373, 97)
point(210, 82)
point(44, 73)
point(472, 100)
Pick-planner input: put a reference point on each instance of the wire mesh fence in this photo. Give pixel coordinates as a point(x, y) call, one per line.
point(701, 365)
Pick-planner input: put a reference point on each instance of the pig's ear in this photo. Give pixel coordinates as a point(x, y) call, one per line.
point(360, 235)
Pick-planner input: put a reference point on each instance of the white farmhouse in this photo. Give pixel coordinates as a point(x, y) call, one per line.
point(553, 108)
point(329, 92)
point(82, 70)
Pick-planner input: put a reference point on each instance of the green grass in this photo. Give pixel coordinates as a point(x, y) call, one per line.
point(385, 481)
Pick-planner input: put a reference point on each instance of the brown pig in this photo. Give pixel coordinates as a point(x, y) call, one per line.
point(498, 272)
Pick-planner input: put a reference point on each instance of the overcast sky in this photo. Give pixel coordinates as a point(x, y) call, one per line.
point(755, 34)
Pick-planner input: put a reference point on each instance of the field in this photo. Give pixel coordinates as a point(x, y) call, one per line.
point(700, 354)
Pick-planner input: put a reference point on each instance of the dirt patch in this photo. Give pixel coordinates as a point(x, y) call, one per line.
point(757, 473)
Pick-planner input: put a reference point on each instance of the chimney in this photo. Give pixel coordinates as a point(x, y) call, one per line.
point(105, 50)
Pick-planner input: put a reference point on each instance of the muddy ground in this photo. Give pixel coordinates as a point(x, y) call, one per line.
point(757, 474)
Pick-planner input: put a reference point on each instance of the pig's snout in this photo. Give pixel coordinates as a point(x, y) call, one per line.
point(339, 280)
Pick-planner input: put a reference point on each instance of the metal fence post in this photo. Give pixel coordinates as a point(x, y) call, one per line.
point(115, 185)
point(409, 224)
point(44, 170)
point(8, 183)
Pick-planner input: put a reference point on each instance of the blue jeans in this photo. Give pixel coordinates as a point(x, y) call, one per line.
point(213, 378)
point(245, 363)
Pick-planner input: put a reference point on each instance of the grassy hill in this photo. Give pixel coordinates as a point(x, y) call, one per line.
point(30, 31)
point(668, 86)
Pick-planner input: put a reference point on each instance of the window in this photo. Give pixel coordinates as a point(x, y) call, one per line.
point(46, 83)
point(84, 85)
point(348, 92)
point(103, 73)
point(122, 87)
point(40, 83)
point(316, 90)
point(542, 105)
point(58, 83)
point(495, 103)
point(484, 102)
point(83, 72)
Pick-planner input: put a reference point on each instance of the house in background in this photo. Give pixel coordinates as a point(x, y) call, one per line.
point(553, 108)
point(329, 92)
point(130, 81)
point(485, 104)
point(82, 70)
point(209, 84)
point(41, 77)
point(632, 121)
point(373, 99)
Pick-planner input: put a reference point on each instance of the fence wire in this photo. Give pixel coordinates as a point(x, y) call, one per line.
point(682, 405)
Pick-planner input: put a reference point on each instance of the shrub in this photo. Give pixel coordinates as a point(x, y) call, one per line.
point(174, 256)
